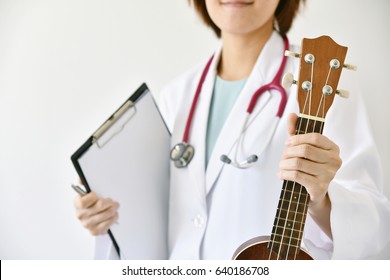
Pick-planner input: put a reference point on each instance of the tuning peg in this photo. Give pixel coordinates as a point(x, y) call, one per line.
point(350, 67)
point(292, 54)
point(343, 93)
point(288, 80)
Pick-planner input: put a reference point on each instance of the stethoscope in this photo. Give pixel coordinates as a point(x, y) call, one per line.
point(182, 153)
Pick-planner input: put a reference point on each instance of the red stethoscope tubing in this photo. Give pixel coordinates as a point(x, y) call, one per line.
point(275, 84)
point(195, 101)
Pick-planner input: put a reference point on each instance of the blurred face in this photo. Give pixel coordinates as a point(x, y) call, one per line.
point(241, 17)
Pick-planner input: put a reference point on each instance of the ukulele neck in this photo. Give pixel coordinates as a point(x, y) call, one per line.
point(292, 209)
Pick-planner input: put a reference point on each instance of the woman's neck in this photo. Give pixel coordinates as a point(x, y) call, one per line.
point(240, 53)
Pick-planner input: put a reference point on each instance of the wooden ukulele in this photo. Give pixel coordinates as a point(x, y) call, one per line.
point(321, 62)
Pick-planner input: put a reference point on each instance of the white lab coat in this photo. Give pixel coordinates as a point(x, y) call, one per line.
point(214, 210)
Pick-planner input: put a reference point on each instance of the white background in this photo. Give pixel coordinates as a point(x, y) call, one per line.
point(65, 65)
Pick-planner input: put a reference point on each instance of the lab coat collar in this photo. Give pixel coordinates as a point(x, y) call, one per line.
point(264, 71)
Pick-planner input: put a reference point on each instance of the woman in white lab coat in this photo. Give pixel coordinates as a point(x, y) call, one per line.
point(214, 206)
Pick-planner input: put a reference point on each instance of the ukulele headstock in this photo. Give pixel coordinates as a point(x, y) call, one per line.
point(321, 64)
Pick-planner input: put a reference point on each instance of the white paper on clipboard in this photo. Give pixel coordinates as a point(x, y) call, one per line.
point(129, 162)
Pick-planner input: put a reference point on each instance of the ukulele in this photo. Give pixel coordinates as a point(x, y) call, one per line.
point(321, 63)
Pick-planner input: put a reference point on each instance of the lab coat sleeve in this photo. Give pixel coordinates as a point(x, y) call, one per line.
point(104, 249)
point(360, 214)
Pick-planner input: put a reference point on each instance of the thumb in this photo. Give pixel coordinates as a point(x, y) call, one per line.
point(291, 124)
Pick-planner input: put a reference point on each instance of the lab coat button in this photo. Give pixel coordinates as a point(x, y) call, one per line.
point(198, 221)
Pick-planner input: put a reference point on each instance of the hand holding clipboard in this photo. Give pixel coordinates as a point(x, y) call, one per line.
point(114, 162)
point(95, 214)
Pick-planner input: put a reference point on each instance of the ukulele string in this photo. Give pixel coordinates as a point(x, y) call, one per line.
point(321, 106)
point(302, 191)
point(284, 189)
point(322, 100)
point(284, 235)
point(308, 101)
point(301, 188)
point(279, 213)
point(310, 91)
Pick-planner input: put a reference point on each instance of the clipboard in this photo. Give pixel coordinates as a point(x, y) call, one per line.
point(127, 159)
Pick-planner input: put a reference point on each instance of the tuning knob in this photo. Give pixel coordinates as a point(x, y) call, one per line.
point(288, 80)
point(343, 93)
point(292, 54)
point(350, 67)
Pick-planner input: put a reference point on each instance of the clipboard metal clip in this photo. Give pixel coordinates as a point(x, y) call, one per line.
point(111, 121)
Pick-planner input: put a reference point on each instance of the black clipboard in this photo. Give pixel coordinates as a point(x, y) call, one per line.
point(127, 159)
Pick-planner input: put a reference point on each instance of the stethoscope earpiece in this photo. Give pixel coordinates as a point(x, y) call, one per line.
point(225, 159)
point(252, 159)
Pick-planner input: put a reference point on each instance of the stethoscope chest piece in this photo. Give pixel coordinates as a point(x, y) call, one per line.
point(182, 154)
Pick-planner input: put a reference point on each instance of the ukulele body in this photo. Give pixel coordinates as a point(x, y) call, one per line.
point(257, 249)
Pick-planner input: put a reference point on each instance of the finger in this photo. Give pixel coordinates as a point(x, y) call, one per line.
point(104, 226)
point(291, 123)
point(313, 186)
point(314, 139)
point(298, 177)
point(303, 165)
point(94, 220)
point(309, 152)
point(86, 201)
point(102, 205)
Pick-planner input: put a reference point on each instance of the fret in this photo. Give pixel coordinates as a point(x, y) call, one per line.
point(291, 210)
point(285, 218)
point(283, 252)
point(288, 221)
point(286, 204)
point(296, 197)
point(293, 195)
point(288, 234)
point(293, 188)
point(286, 198)
point(279, 242)
point(286, 240)
point(294, 191)
point(293, 229)
point(282, 230)
point(289, 216)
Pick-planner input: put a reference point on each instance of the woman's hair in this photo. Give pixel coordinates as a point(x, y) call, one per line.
point(284, 14)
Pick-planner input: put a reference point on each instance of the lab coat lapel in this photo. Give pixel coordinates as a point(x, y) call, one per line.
point(262, 118)
point(199, 127)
